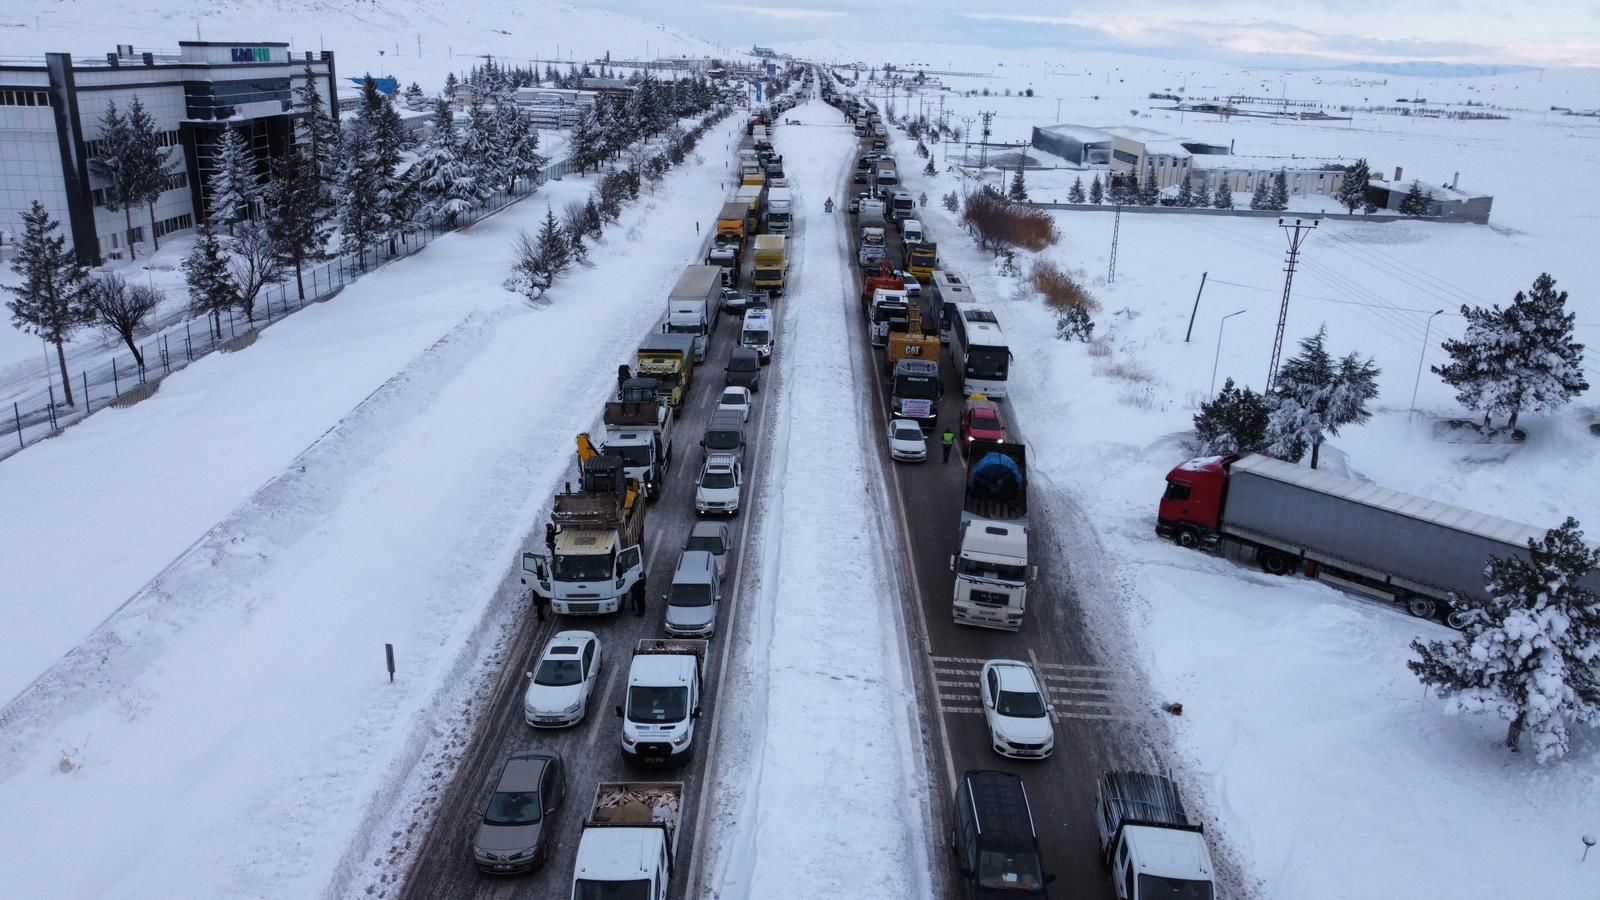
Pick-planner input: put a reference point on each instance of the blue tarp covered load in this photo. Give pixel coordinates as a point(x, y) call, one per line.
point(388, 85)
point(997, 477)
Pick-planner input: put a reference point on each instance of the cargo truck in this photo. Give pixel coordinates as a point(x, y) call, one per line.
point(872, 244)
point(915, 391)
point(991, 568)
point(692, 307)
point(754, 179)
point(629, 844)
point(779, 209)
point(663, 700)
point(889, 311)
point(1350, 533)
point(752, 196)
point(669, 359)
point(731, 220)
point(921, 259)
point(638, 430)
point(599, 554)
point(884, 279)
point(1147, 842)
point(771, 264)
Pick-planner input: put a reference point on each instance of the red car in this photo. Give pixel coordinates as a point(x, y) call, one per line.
point(981, 419)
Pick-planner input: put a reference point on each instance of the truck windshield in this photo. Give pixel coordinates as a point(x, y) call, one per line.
point(755, 338)
point(585, 889)
point(690, 595)
point(1173, 888)
point(765, 275)
point(651, 705)
point(631, 457)
point(988, 362)
point(973, 568)
point(916, 387)
point(693, 328)
point(1002, 871)
point(583, 567)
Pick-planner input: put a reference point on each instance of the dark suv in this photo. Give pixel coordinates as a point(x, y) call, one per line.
point(997, 852)
point(744, 369)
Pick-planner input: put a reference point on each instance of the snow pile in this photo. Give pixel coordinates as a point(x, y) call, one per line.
point(834, 806)
point(261, 527)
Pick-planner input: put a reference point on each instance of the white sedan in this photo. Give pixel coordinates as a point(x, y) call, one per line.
point(735, 399)
point(907, 443)
point(1015, 710)
point(560, 685)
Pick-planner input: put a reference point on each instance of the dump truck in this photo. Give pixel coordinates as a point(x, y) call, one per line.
point(693, 306)
point(991, 567)
point(629, 843)
point(669, 359)
point(598, 556)
point(731, 220)
point(1147, 842)
point(771, 264)
point(638, 430)
point(921, 260)
point(1350, 533)
point(780, 208)
point(662, 702)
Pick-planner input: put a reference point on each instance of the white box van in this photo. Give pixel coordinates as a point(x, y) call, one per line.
point(757, 333)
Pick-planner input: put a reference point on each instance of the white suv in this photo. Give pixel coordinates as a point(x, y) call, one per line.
point(719, 486)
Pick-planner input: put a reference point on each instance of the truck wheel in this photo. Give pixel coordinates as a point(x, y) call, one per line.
point(1421, 607)
point(1186, 537)
point(1275, 563)
point(1457, 618)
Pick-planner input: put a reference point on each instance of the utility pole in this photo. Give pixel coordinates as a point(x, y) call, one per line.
point(1116, 230)
point(983, 153)
point(966, 138)
point(1297, 234)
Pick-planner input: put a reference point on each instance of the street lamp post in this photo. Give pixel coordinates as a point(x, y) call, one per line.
point(1420, 356)
point(1218, 355)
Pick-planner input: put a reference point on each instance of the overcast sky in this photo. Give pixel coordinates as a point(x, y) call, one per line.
point(1535, 32)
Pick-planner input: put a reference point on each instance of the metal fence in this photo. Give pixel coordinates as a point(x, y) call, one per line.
point(174, 345)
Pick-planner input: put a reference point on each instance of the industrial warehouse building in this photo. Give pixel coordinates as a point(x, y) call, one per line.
point(50, 115)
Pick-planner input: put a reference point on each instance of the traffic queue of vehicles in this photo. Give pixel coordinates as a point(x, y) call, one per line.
point(593, 560)
point(1146, 838)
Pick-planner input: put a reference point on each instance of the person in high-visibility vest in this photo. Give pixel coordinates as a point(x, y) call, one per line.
point(949, 440)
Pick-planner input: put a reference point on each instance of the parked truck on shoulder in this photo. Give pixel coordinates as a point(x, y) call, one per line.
point(663, 700)
point(629, 844)
point(669, 359)
point(1147, 842)
point(991, 567)
point(771, 264)
point(1354, 534)
point(599, 554)
point(692, 307)
point(638, 430)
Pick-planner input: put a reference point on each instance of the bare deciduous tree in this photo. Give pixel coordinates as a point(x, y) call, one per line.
point(255, 264)
point(122, 308)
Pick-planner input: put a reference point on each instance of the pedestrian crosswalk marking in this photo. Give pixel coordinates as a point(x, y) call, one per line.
point(1088, 693)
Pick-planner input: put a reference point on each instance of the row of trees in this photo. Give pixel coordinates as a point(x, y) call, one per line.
point(133, 163)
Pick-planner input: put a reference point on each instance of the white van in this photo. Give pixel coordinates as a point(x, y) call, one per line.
point(911, 231)
point(757, 333)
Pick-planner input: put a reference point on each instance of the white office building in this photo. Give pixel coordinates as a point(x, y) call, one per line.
point(50, 115)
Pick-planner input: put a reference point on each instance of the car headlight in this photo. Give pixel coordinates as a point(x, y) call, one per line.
point(573, 708)
point(628, 740)
point(1004, 740)
point(521, 854)
point(678, 741)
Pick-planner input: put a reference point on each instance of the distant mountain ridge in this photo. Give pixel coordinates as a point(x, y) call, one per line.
point(1434, 69)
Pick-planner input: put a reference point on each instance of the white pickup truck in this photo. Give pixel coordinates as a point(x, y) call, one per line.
point(663, 700)
point(629, 842)
point(1147, 841)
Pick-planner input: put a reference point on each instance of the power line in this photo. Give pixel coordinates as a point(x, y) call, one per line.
point(1297, 234)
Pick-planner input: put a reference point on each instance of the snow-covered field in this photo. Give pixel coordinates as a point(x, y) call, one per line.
point(222, 563)
point(827, 701)
point(1330, 770)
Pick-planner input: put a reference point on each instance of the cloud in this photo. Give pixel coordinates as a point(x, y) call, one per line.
point(787, 13)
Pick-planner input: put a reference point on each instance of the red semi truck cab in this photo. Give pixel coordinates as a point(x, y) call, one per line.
point(1191, 506)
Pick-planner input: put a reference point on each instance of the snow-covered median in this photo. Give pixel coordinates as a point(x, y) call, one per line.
point(833, 803)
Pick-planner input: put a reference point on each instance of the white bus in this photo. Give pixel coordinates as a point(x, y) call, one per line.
point(980, 351)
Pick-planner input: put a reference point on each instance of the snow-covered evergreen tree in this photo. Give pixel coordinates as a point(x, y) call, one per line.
point(1529, 652)
point(1150, 189)
point(1352, 193)
point(1075, 193)
point(211, 289)
point(1097, 191)
point(1073, 323)
point(1416, 203)
point(1314, 396)
point(1202, 194)
point(151, 170)
point(480, 147)
point(1279, 198)
point(111, 162)
point(1235, 421)
point(1261, 195)
point(415, 98)
point(295, 216)
point(1186, 190)
point(585, 141)
point(50, 301)
point(363, 194)
point(319, 133)
point(540, 261)
point(1019, 189)
point(930, 169)
point(233, 185)
point(523, 159)
point(444, 180)
point(1224, 196)
point(1522, 358)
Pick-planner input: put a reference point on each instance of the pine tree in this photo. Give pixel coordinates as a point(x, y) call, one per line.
point(363, 202)
point(1235, 421)
point(539, 261)
point(1150, 190)
point(1527, 652)
point(1019, 189)
point(1224, 197)
point(211, 289)
point(523, 158)
point(1097, 192)
point(444, 180)
point(152, 172)
point(1261, 196)
point(1075, 194)
point(295, 216)
point(1352, 192)
point(415, 99)
point(1186, 191)
point(232, 187)
point(1202, 194)
point(555, 250)
point(930, 169)
point(1279, 198)
point(1415, 202)
point(113, 163)
point(1516, 359)
point(50, 300)
point(319, 133)
point(584, 141)
point(1313, 397)
point(480, 148)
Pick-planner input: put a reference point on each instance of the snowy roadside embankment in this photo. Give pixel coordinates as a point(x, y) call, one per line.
point(834, 802)
point(1314, 755)
point(232, 723)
